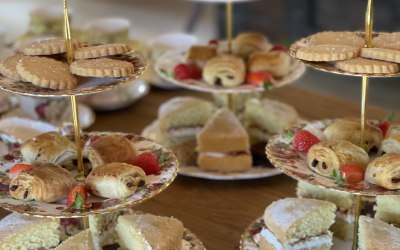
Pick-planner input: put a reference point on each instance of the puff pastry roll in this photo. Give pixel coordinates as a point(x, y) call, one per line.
point(226, 70)
point(350, 130)
point(115, 180)
point(278, 63)
point(391, 144)
point(50, 147)
point(384, 171)
point(246, 43)
point(326, 156)
point(44, 182)
point(110, 148)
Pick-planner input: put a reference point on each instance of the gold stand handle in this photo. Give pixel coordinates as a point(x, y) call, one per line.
point(229, 24)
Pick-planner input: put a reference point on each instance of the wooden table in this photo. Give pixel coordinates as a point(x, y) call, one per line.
point(219, 211)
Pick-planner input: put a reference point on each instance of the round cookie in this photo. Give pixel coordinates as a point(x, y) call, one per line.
point(337, 38)
point(101, 51)
point(368, 66)
point(387, 55)
point(49, 47)
point(327, 52)
point(8, 67)
point(102, 67)
point(46, 72)
point(387, 41)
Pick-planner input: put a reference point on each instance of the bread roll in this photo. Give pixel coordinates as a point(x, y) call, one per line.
point(227, 71)
point(384, 171)
point(45, 182)
point(326, 156)
point(115, 180)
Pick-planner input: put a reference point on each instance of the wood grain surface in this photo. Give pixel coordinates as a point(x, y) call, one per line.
point(219, 211)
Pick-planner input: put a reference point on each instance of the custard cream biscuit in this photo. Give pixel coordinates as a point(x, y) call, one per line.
point(388, 55)
point(102, 67)
point(49, 47)
point(326, 52)
point(46, 72)
point(101, 51)
point(8, 67)
point(368, 66)
point(337, 38)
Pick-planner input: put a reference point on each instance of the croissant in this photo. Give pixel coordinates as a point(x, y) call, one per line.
point(50, 147)
point(384, 171)
point(277, 63)
point(115, 180)
point(110, 148)
point(326, 156)
point(226, 70)
point(246, 43)
point(391, 144)
point(44, 182)
point(350, 130)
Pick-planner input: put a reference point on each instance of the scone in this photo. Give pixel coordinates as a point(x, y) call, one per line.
point(223, 144)
point(277, 63)
point(145, 231)
point(294, 223)
point(80, 241)
point(225, 71)
point(374, 234)
point(19, 231)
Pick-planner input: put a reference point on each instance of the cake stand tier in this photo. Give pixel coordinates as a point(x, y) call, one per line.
point(86, 85)
point(329, 66)
point(165, 67)
point(154, 184)
point(282, 155)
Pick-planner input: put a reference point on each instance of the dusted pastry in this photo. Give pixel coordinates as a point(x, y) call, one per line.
point(50, 147)
point(324, 157)
point(277, 63)
point(200, 55)
point(384, 171)
point(110, 148)
point(45, 182)
point(391, 144)
point(350, 130)
point(115, 180)
point(246, 43)
point(227, 71)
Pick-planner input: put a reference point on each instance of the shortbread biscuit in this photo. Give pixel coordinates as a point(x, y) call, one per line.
point(101, 51)
point(327, 52)
point(8, 67)
point(368, 66)
point(387, 41)
point(46, 72)
point(337, 38)
point(49, 47)
point(102, 67)
point(388, 55)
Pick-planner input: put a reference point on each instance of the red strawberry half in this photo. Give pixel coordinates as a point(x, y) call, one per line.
point(78, 197)
point(148, 162)
point(185, 71)
point(304, 140)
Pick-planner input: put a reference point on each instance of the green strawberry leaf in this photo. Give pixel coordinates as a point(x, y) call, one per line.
point(390, 117)
point(267, 86)
point(289, 135)
point(162, 158)
point(78, 202)
point(337, 176)
point(167, 73)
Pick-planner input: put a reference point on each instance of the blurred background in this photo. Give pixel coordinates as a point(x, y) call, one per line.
point(283, 21)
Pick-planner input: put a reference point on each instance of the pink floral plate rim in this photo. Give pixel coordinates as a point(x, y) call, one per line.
point(281, 154)
point(166, 63)
point(330, 67)
point(155, 184)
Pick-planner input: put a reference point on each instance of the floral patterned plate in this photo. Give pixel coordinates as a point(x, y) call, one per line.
point(155, 184)
point(249, 239)
point(282, 155)
point(256, 172)
point(166, 64)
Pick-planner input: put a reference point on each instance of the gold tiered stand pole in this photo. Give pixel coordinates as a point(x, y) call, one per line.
point(229, 34)
point(364, 99)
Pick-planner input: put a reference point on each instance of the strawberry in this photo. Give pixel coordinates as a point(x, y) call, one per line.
point(213, 42)
point(185, 71)
point(385, 124)
point(279, 47)
point(41, 110)
point(19, 167)
point(148, 162)
point(303, 140)
point(259, 78)
point(78, 197)
point(349, 173)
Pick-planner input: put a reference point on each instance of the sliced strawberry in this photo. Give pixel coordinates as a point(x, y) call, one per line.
point(19, 167)
point(279, 47)
point(352, 173)
point(148, 162)
point(303, 140)
point(259, 78)
point(184, 71)
point(213, 42)
point(384, 126)
point(78, 197)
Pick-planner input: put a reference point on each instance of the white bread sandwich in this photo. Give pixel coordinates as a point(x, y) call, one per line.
point(145, 231)
point(388, 209)
point(223, 144)
point(374, 234)
point(80, 241)
point(295, 223)
point(25, 232)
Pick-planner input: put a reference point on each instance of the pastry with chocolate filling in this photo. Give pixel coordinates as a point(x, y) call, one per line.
point(384, 171)
point(223, 144)
point(294, 223)
point(225, 71)
point(350, 130)
point(327, 156)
